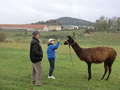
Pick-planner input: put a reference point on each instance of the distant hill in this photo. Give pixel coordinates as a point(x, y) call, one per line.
point(66, 21)
point(72, 21)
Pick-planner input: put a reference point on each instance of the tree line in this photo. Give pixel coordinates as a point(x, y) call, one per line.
point(107, 24)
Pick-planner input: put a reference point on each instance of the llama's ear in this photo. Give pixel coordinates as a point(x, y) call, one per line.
point(69, 37)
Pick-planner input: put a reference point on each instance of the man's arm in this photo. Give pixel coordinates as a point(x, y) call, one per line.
point(37, 49)
point(41, 51)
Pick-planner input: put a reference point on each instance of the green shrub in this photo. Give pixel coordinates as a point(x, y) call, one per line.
point(2, 37)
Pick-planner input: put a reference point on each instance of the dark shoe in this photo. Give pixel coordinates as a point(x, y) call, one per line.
point(33, 82)
point(38, 84)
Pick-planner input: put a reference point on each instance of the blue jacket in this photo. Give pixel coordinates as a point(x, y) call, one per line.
point(51, 50)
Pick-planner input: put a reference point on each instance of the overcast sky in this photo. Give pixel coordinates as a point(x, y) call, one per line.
point(27, 11)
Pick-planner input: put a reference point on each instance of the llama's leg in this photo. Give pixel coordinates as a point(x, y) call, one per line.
point(110, 69)
point(89, 71)
point(106, 68)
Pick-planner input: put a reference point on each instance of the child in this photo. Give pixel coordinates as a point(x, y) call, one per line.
point(51, 56)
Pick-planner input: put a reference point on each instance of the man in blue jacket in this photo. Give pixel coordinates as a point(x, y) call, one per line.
point(51, 54)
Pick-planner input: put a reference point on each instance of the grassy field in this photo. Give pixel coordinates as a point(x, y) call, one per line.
point(15, 66)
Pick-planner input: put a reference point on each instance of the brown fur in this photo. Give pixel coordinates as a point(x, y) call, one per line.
point(94, 55)
point(98, 55)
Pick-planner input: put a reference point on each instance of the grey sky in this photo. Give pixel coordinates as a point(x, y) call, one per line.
point(27, 11)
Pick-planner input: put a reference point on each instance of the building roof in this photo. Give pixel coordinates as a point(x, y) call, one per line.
point(30, 26)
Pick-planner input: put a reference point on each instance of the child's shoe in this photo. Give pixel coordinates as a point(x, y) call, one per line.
point(51, 77)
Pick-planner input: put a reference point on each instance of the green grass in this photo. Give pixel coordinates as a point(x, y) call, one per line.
point(15, 67)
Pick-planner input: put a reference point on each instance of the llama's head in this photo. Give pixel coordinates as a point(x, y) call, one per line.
point(70, 41)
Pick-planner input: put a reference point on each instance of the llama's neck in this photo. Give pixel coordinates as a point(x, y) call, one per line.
point(77, 49)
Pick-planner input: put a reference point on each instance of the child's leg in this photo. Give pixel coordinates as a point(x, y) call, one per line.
point(52, 66)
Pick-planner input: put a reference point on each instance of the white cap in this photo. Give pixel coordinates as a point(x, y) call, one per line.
point(51, 39)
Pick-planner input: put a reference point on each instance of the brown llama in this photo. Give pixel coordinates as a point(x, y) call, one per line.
point(94, 55)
